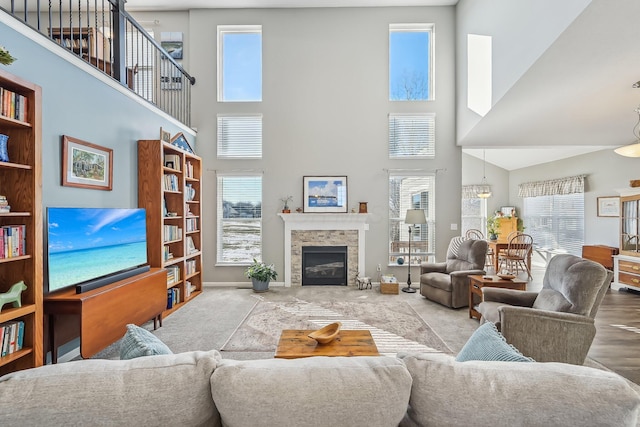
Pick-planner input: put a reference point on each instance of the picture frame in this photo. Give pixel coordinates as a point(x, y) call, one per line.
point(180, 141)
point(86, 165)
point(609, 206)
point(165, 136)
point(325, 194)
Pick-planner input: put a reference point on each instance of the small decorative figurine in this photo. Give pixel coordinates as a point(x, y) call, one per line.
point(13, 295)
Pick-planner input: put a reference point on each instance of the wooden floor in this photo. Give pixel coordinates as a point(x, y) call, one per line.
point(617, 341)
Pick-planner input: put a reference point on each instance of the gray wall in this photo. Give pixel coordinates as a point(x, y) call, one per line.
point(325, 106)
point(498, 178)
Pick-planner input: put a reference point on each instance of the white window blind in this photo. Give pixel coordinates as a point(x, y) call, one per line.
point(556, 221)
point(412, 136)
point(411, 192)
point(240, 136)
point(239, 208)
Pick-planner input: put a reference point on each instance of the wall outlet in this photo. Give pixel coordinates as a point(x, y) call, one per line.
point(379, 267)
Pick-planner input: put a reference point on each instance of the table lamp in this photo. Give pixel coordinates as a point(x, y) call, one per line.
point(414, 216)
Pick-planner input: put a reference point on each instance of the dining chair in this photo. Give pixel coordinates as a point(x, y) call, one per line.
point(515, 257)
point(476, 234)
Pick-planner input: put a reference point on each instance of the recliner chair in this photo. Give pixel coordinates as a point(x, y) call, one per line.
point(556, 324)
point(447, 282)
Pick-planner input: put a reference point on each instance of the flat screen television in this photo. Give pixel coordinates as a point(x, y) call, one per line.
point(92, 247)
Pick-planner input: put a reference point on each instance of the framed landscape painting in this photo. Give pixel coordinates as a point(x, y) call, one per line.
point(325, 194)
point(609, 206)
point(86, 165)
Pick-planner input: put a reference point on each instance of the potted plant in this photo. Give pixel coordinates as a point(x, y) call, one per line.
point(261, 274)
point(493, 227)
point(285, 201)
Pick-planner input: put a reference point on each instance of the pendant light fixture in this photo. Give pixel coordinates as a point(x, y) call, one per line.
point(484, 192)
point(632, 150)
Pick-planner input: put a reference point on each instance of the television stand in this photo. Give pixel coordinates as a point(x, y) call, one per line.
point(100, 317)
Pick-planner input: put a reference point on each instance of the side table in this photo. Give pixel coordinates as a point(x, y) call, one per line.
point(476, 283)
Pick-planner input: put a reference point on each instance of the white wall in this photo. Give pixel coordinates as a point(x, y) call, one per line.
point(325, 106)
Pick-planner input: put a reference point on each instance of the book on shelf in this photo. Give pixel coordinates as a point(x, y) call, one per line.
point(172, 233)
point(191, 224)
point(11, 337)
point(12, 241)
point(189, 169)
point(170, 182)
point(13, 105)
point(190, 266)
point(173, 297)
point(172, 161)
point(173, 274)
point(189, 193)
point(191, 246)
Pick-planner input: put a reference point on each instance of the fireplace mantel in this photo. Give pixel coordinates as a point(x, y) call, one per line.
point(323, 221)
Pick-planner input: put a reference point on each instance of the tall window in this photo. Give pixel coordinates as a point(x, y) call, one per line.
point(240, 136)
point(410, 62)
point(554, 213)
point(412, 136)
point(411, 192)
point(239, 218)
point(474, 210)
point(240, 63)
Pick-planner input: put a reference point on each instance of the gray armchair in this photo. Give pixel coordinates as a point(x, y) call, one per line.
point(556, 324)
point(448, 282)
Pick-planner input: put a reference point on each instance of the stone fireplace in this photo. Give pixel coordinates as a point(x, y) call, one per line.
point(327, 229)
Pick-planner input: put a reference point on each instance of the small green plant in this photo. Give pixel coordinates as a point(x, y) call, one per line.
point(285, 201)
point(5, 56)
point(261, 271)
point(493, 227)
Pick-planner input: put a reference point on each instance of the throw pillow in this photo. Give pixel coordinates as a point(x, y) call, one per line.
point(487, 343)
point(139, 342)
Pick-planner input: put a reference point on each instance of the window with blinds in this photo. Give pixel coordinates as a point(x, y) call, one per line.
point(411, 192)
point(240, 136)
point(239, 218)
point(412, 136)
point(474, 215)
point(239, 63)
point(556, 221)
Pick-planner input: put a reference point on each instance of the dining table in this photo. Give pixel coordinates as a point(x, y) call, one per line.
point(502, 244)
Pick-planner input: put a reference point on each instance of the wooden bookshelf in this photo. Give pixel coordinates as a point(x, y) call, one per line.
point(169, 188)
point(21, 183)
point(84, 42)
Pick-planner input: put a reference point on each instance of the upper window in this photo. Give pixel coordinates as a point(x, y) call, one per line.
point(412, 136)
point(239, 63)
point(240, 136)
point(410, 62)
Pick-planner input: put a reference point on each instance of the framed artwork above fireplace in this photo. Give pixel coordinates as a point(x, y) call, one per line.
point(325, 194)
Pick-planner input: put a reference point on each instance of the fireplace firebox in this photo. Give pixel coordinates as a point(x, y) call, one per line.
point(324, 265)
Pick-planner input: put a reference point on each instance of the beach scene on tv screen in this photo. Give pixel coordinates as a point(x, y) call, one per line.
point(84, 244)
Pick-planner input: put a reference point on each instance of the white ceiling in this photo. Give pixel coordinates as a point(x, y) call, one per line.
point(522, 157)
point(141, 5)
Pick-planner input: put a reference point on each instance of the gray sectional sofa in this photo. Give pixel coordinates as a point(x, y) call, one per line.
point(427, 389)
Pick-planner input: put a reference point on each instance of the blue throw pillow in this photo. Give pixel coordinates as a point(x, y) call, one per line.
point(487, 343)
point(139, 342)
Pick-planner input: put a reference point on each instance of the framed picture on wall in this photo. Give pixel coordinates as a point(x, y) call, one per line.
point(609, 206)
point(325, 194)
point(86, 165)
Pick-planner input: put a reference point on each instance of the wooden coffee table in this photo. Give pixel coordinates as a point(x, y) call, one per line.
point(295, 343)
point(476, 283)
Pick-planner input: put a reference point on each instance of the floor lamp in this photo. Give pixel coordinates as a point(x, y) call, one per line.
point(414, 216)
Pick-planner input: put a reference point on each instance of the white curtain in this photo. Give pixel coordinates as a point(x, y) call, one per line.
point(568, 185)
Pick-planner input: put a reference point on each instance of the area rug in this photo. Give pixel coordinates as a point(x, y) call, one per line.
point(394, 326)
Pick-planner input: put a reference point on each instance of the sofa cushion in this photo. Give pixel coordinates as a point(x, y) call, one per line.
point(167, 390)
point(437, 280)
point(515, 394)
point(551, 300)
point(487, 343)
point(138, 342)
point(315, 391)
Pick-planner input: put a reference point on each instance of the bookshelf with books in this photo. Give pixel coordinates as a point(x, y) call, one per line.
point(84, 42)
point(21, 223)
point(169, 189)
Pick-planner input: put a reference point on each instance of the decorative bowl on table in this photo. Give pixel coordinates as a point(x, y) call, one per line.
point(327, 334)
point(507, 276)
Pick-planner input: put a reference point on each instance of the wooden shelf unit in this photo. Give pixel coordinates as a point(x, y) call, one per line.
point(170, 209)
point(21, 183)
point(84, 42)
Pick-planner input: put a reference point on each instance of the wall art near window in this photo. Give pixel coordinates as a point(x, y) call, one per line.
point(609, 206)
point(325, 194)
point(86, 165)
point(172, 43)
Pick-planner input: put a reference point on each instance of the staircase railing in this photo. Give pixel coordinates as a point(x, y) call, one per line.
point(103, 34)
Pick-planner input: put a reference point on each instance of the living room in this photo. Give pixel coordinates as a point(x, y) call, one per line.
point(325, 107)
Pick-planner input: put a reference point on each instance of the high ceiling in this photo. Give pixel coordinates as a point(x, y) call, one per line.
point(576, 98)
point(141, 5)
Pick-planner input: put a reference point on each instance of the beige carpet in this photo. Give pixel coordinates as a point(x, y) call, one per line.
point(394, 326)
